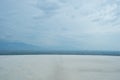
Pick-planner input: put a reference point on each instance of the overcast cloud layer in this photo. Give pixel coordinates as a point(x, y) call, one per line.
point(62, 24)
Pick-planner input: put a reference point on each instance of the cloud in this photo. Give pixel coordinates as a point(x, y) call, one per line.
point(49, 7)
point(106, 13)
point(64, 24)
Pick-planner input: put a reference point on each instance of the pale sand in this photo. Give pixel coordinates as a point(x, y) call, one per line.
point(59, 67)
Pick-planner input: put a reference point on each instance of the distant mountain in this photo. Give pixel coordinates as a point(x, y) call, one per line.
point(4, 45)
point(19, 48)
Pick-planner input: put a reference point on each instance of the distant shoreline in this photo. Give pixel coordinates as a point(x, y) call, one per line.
point(109, 53)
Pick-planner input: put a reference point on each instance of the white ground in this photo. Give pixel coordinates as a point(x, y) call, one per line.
point(59, 67)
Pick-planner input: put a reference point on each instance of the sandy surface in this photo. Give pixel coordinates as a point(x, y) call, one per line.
point(59, 67)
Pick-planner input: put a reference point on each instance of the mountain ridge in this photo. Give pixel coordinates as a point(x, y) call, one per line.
point(7, 45)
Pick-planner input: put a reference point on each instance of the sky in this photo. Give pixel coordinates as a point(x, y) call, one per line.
point(62, 24)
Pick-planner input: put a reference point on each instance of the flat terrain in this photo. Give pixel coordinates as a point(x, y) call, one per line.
point(59, 67)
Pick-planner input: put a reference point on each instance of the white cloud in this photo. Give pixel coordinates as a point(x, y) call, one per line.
point(106, 13)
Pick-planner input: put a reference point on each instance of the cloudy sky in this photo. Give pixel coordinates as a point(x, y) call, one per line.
point(62, 24)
